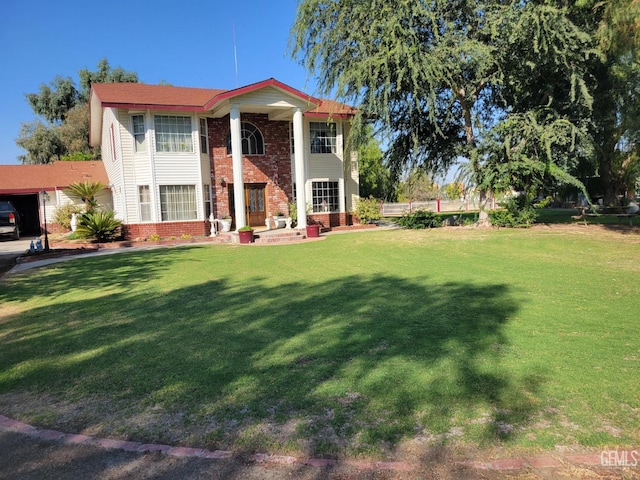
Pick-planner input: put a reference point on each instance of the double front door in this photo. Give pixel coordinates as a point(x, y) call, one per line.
point(254, 203)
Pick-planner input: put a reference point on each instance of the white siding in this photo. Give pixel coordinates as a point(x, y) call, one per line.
point(132, 169)
point(130, 190)
point(324, 165)
point(178, 168)
point(271, 97)
point(112, 158)
point(351, 174)
point(328, 166)
point(59, 198)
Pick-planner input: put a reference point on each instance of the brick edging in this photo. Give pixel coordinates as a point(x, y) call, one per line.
point(545, 461)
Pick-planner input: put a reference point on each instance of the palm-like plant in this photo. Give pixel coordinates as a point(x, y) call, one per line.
point(87, 191)
point(101, 225)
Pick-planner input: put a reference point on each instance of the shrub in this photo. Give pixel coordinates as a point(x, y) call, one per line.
point(368, 210)
point(101, 225)
point(293, 212)
point(419, 219)
point(154, 237)
point(62, 214)
point(518, 212)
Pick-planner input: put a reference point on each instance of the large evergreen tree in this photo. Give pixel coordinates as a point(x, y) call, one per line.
point(615, 127)
point(64, 133)
point(501, 83)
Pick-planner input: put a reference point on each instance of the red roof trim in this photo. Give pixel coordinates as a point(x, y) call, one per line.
point(136, 106)
point(328, 115)
point(18, 191)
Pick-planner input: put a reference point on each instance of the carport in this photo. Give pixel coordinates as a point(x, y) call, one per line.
point(27, 205)
point(22, 184)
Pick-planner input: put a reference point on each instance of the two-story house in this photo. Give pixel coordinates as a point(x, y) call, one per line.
point(176, 155)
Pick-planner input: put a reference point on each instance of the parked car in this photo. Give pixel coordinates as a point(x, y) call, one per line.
point(9, 220)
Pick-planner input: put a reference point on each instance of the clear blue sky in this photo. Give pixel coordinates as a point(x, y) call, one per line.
point(188, 43)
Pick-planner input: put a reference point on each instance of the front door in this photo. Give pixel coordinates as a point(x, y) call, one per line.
point(254, 203)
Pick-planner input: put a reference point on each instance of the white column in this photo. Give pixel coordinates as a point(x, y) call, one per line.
point(298, 157)
point(236, 155)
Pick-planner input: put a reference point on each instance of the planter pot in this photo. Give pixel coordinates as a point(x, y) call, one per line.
point(246, 236)
point(279, 222)
point(313, 231)
point(226, 225)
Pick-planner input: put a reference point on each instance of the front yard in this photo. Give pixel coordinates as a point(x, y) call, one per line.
point(366, 344)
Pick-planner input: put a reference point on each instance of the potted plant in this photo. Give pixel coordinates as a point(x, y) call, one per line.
point(225, 221)
point(246, 234)
point(313, 228)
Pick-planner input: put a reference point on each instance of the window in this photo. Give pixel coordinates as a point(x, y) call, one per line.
point(144, 201)
point(178, 202)
point(140, 144)
point(325, 197)
point(204, 137)
point(207, 200)
point(293, 150)
point(173, 134)
point(252, 142)
point(323, 137)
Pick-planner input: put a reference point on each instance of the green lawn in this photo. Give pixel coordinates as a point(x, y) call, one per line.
point(356, 345)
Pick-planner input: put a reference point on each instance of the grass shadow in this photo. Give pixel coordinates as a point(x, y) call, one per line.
point(354, 365)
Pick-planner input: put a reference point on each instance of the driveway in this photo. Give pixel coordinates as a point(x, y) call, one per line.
point(10, 249)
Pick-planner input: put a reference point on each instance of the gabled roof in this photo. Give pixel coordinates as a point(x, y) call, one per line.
point(59, 175)
point(140, 96)
point(332, 109)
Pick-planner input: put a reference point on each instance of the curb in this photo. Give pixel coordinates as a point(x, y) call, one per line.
point(541, 462)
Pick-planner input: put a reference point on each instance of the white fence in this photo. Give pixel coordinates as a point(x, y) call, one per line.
point(439, 205)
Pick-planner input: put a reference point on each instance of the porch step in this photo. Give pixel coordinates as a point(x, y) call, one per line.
point(278, 236)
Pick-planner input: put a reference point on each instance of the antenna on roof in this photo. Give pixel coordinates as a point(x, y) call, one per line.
point(235, 51)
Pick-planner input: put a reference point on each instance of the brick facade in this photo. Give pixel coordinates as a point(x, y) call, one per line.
point(272, 169)
point(329, 220)
point(194, 228)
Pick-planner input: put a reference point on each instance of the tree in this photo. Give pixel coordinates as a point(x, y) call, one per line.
point(74, 134)
point(418, 186)
point(87, 192)
point(104, 74)
point(441, 75)
point(42, 143)
point(54, 100)
point(615, 125)
point(374, 178)
point(66, 111)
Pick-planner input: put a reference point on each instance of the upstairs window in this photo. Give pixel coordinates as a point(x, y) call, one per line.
point(173, 134)
point(139, 133)
point(323, 137)
point(252, 141)
point(204, 137)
